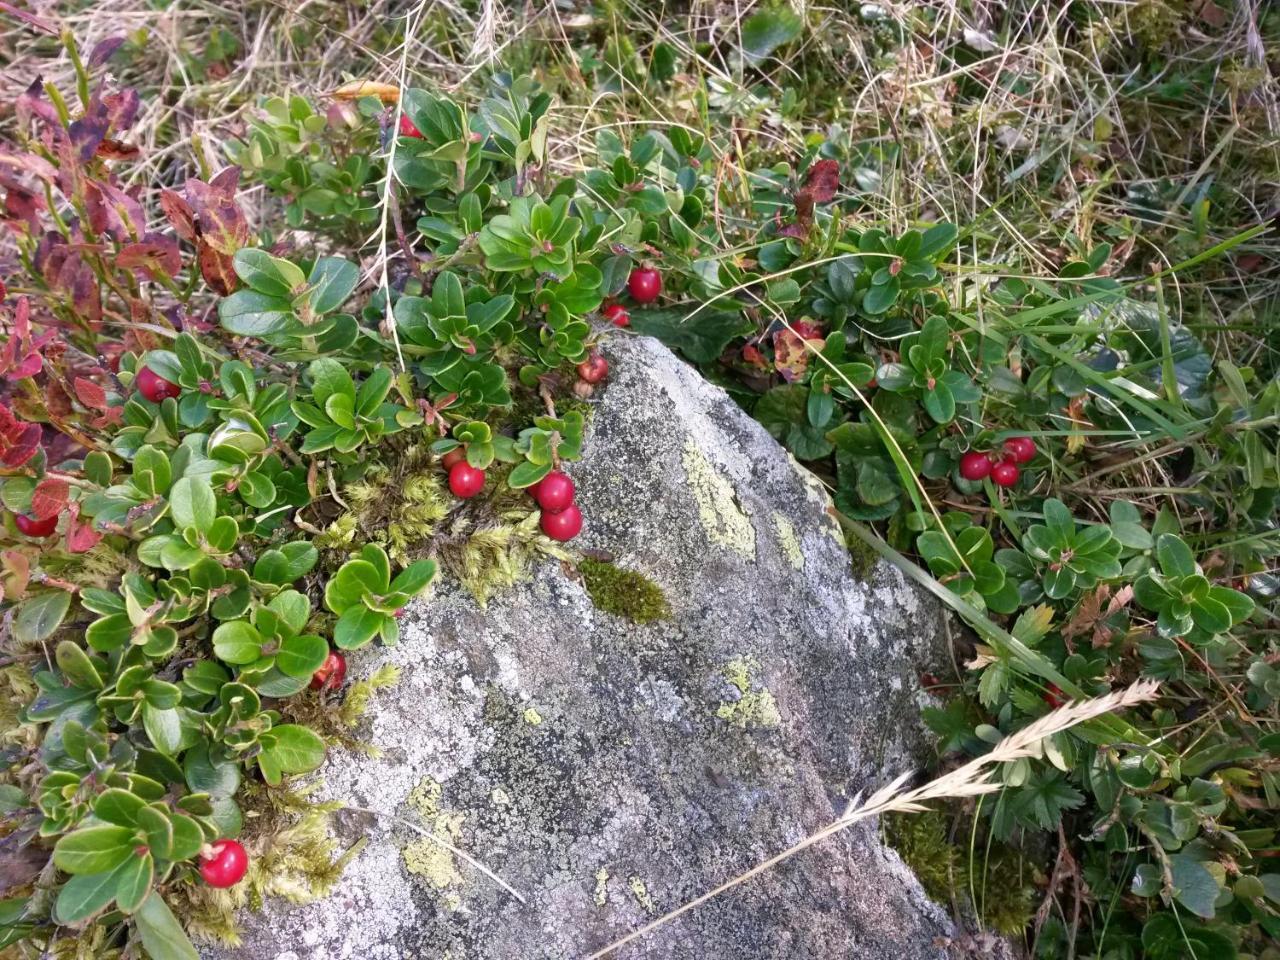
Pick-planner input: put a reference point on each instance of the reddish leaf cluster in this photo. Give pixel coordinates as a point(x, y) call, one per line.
point(19, 441)
point(207, 216)
point(790, 353)
point(821, 183)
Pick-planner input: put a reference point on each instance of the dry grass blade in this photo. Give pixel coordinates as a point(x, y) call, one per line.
point(972, 779)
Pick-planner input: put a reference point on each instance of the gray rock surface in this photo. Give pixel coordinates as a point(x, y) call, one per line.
point(611, 772)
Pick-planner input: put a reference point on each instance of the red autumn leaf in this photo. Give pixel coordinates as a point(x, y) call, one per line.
point(81, 537)
point(154, 255)
point(790, 353)
point(92, 395)
point(221, 222)
point(179, 213)
point(822, 181)
point(19, 441)
point(50, 498)
point(217, 270)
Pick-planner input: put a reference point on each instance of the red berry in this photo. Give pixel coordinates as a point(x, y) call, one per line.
point(617, 313)
point(33, 527)
point(1020, 449)
point(454, 456)
point(1054, 696)
point(465, 480)
point(155, 387)
point(644, 284)
point(563, 525)
point(408, 128)
point(224, 864)
point(593, 369)
point(331, 673)
point(975, 465)
point(555, 492)
point(1005, 473)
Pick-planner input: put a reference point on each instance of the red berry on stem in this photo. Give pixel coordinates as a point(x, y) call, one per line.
point(155, 387)
point(1020, 449)
point(331, 673)
point(593, 369)
point(975, 465)
point(408, 128)
point(562, 525)
point(223, 864)
point(555, 492)
point(465, 480)
point(454, 456)
point(617, 313)
point(32, 527)
point(1005, 473)
point(644, 284)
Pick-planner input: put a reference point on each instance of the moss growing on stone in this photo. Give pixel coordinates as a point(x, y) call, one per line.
point(291, 855)
point(624, 593)
point(1002, 881)
point(862, 558)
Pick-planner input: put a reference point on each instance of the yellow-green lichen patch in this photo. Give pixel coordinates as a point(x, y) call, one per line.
point(424, 857)
point(755, 706)
point(532, 717)
point(790, 542)
point(602, 894)
point(723, 518)
point(641, 893)
point(623, 593)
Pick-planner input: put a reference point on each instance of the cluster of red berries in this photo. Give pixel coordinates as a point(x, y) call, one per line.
point(1003, 471)
point(644, 284)
point(561, 519)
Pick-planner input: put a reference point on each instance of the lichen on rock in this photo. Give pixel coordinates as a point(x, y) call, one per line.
point(626, 795)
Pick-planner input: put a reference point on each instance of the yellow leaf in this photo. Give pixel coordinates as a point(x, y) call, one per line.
point(386, 92)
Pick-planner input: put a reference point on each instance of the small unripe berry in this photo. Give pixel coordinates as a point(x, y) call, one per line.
point(975, 465)
point(555, 492)
point(465, 480)
point(32, 527)
point(155, 387)
point(454, 456)
point(564, 525)
point(1020, 449)
point(617, 313)
point(224, 864)
point(331, 674)
point(593, 369)
point(1005, 473)
point(644, 284)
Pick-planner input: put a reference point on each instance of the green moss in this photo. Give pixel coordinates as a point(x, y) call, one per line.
point(291, 855)
point(625, 593)
point(921, 841)
point(1002, 876)
point(862, 558)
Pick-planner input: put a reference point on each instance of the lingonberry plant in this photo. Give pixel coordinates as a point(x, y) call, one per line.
point(165, 476)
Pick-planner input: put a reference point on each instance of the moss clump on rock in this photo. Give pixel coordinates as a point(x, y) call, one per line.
point(624, 593)
point(1002, 881)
